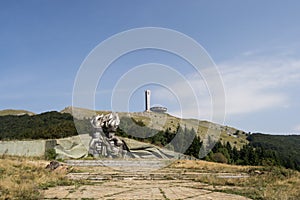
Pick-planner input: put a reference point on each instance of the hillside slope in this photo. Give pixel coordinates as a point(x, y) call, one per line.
point(163, 121)
point(206, 130)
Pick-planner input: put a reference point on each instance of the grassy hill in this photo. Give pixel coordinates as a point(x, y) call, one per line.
point(254, 149)
point(163, 121)
point(15, 112)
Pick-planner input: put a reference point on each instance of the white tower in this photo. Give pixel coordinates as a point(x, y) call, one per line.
point(147, 100)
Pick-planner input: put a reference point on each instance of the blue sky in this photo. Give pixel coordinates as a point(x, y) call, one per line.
point(255, 45)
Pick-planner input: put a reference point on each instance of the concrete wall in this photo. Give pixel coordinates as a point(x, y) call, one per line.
point(39, 147)
point(25, 148)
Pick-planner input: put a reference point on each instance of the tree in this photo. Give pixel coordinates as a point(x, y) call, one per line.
point(234, 155)
point(194, 148)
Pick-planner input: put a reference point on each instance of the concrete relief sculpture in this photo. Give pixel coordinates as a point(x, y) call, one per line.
point(104, 143)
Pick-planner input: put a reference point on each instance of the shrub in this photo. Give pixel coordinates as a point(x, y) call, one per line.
point(50, 154)
point(219, 157)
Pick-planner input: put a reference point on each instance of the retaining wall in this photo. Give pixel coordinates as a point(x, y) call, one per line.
point(39, 147)
point(26, 148)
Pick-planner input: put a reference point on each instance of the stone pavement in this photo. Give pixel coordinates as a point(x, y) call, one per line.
point(138, 179)
point(140, 189)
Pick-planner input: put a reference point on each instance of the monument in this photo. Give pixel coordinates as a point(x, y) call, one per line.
point(104, 143)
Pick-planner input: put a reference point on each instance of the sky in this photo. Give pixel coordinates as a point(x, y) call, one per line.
point(254, 44)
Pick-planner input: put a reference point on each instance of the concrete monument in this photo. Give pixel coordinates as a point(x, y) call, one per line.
point(104, 143)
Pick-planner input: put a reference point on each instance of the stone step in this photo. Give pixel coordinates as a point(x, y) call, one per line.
point(132, 165)
point(150, 176)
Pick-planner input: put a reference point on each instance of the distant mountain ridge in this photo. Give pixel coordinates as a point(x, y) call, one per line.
point(15, 112)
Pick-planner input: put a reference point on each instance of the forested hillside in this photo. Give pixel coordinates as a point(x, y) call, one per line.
point(286, 147)
point(47, 125)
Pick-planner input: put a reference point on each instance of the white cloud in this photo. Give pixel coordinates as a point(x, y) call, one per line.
point(258, 85)
point(250, 86)
point(297, 128)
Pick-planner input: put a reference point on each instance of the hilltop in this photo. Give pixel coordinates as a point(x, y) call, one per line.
point(15, 112)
